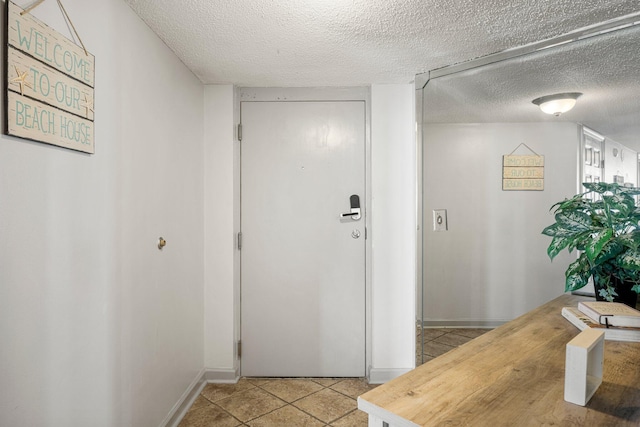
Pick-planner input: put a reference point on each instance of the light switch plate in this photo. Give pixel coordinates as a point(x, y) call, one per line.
point(440, 220)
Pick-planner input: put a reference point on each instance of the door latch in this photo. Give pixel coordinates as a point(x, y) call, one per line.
point(354, 200)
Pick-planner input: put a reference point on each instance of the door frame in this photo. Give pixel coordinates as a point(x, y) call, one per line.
point(361, 93)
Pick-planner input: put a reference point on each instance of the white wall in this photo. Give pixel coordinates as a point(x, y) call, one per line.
point(491, 265)
point(98, 327)
point(625, 163)
point(220, 247)
point(393, 187)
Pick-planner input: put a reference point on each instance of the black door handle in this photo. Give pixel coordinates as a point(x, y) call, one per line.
point(354, 201)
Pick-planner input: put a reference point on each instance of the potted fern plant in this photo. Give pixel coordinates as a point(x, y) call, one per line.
point(603, 223)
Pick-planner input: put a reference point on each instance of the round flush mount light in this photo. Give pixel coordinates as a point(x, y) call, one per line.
point(558, 103)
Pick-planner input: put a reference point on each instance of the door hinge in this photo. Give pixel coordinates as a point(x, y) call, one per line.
point(239, 131)
point(366, 233)
point(239, 349)
point(240, 240)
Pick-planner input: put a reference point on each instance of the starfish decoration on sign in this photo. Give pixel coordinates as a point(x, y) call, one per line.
point(88, 105)
point(21, 80)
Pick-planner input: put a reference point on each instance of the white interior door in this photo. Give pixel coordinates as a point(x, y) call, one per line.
point(303, 266)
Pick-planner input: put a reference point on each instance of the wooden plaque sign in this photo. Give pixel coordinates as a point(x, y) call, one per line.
point(49, 85)
point(523, 173)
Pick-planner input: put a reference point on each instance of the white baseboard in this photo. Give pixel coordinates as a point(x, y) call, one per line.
point(186, 400)
point(205, 376)
point(222, 376)
point(382, 375)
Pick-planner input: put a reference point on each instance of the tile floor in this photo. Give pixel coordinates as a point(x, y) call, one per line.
point(267, 402)
point(438, 341)
point(303, 402)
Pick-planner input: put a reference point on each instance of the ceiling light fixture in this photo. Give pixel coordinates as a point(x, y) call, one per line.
point(558, 103)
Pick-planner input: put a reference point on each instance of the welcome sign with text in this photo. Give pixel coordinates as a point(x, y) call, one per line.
point(522, 173)
point(49, 83)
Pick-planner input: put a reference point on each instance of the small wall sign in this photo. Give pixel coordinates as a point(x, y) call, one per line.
point(523, 172)
point(49, 84)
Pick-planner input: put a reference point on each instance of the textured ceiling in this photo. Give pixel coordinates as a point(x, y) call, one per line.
point(354, 42)
point(605, 68)
point(290, 43)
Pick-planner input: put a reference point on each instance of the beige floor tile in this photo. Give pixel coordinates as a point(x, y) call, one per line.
point(208, 416)
point(250, 404)
point(291, 390)
point(356, 418)
point(326, 405)
point(260, 381)
point(431, 334)
point(286, 416)
point(452, 340)
point(200, 402)
point(471, 333)
point(325, 382)
point(353, 387)
point(215, 392)
point(435, 349)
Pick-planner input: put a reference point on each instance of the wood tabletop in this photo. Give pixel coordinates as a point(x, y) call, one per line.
point(514, 376)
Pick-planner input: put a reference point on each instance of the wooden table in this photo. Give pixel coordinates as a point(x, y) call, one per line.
point(511, 376)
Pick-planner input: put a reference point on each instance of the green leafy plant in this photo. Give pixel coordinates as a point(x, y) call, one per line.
point(603, 223)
